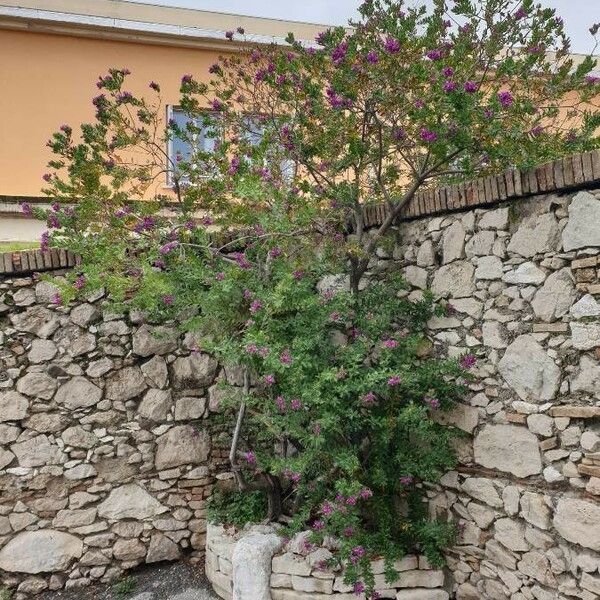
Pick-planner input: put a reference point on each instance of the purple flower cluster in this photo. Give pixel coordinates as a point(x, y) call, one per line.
point(394, 380)
point(506, 99)
point(339, 53)
point(391, 45)
point(369, 399)
point(337, 101)
point(428, 136)
point(372, 57)
point(169, 247)
point(470, 87)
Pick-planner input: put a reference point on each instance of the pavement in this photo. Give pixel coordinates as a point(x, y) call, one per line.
point(165, 581)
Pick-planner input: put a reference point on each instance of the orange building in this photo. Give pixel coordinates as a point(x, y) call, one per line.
point(52, 52)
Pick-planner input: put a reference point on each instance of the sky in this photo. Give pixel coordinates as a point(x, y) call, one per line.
point(578, 15)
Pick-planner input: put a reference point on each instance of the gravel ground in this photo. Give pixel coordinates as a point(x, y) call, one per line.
point(179, 581)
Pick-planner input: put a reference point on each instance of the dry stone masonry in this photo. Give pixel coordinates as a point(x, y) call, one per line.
point(106, 458)
point(257, 564)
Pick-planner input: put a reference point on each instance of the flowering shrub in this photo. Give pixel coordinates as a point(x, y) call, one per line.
point(261, 247)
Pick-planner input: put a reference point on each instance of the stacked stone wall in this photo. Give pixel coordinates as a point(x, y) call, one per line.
point(522, 280)
point(106, 458)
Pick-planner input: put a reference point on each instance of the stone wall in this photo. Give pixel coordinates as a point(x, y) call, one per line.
point(105, 454)
point(523, 281)
point(298, 571)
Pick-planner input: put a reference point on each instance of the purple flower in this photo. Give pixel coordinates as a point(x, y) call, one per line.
point(449, 85)
point(536, 131)
point(391, 344)
point(281, 405)
point(168, 248)
point(335, 316)
point(359, 588)
point(351, 500)
point(406, 479)
point(242, 261)
point(366, 493)
point(241, 30)
point(186, 79)
point(26, 208)
point(285, 358)
point(263, 352)
point(66, 129)
point(391, 45)
point(348, 532)
point(45, 241)
point(297, 275)
point(269, 379)
point(53, 221)
point(470, 87)
point(154, 86)
point(535, 50)
point(339, 53)
point(434, 54)
point(275, 252)
point(80, 282)
point(207, 221)
point(229, 35)
point(216, 105)
point(320, 38)
point(220, 276)
point(394, 380)
point(168, 299)
point(296, 404)
point(428, 136)
point(399, 133)
point(369, 398)
point(447, 71)
point(57, 299)
point(434, 403)
point(419, 104)
point(521, 13)
point(358, 551)
point(468, 361)
point(159, 263)
point(255, 306)
point(592, 79)
point(47, 177)
point(251, 348)
point(251, 458)
point(327, 508)
point(318, 525)
point(506, 99)
point(372, 57)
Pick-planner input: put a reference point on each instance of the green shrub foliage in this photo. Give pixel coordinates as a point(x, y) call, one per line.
point(261, 250)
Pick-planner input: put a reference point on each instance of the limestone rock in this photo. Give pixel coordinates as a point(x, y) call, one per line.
point(252, 566)
point(416, 277)
point(37, 320)
point(529, 370)
point(162, 548)
point(525, 273)
point(582, 229)
point(84, 315)
point(578, 521)
point(535, 510)
point(37, 385)
point(454, 280)
point(508, 448)
point(196, 370)
point(461, 415)
point(555, 297)
point(78, 393)
point(41, 351)
point(495, 334)
point(586, 307)
point(482, 489)
point(453, 242)
point(13, 406)
point(129, 550)
point(511, 534)
point(78, 437)
point(41, 551)
point(156, 371)
point(75, 340)
point(156, 405)
point(37, 451)
point(182, 445)
point(130, 501)
point(587, 377)
point(489, 267)
point(585, 336)
point(125, 384)
point(494, 219)
point(480, 244)
point(536, 235)
point(6, 457)
point(422, 594)
point(426, 254)
point(189, 408)
point(149, 341)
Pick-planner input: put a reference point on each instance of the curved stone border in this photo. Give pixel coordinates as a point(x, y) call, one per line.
point(296, 571)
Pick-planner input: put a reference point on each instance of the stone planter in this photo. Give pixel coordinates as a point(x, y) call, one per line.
point(294, 572)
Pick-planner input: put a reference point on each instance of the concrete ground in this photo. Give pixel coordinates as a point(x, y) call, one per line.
point(174, 581)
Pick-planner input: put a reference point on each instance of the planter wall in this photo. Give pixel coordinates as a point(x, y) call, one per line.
point(297, 572)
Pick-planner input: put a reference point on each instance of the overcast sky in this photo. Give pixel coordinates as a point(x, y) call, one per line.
point(579, 15)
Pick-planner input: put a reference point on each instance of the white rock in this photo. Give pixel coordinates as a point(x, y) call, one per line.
point(585, 336)
point(454, 280)
point(582, 229)
point(252, 566)
point(555, 297)
point(41, 351)
point(480, 244)
point(125, 384)
point(540, 424)
point(489, 267)
point(37, 451)
point(469, 306)
point(130, 501)
point(182, 445)
point(13, 406)
point(529, 370)
point(590, 441)
point(586, 307)
point(526, 273)
point(552, 475)
point(511, 534)
point(535, 510)
point(509, 448)
point(578, 521)
point(536, 235)
point(422, 594)
point(482, 489)
point(416, 276)
point(41, 551)
point(453, 242)
point(78, 393)
point(426, 254)
point(494, 219)
point(587, 377)
point(150, 341)
point(495, 334)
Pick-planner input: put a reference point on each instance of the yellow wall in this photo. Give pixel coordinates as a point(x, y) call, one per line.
point(47, 80)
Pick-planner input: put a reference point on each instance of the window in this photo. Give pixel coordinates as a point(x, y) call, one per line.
point(199, 138)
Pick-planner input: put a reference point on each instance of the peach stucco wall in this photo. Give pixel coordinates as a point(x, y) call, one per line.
point(47, 80)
